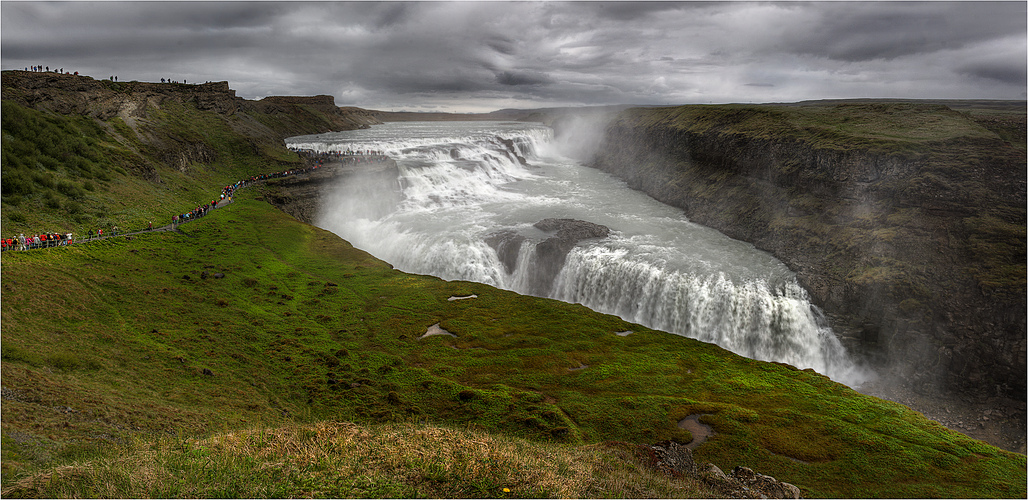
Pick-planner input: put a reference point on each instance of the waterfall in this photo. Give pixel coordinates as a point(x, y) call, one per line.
point(472, 193)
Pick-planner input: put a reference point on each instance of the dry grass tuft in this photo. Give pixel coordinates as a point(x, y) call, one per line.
point(341, 459)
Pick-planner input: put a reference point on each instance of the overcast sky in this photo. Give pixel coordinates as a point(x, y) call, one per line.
point(482, 56)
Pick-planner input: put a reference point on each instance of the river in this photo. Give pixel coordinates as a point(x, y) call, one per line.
point(463, 183)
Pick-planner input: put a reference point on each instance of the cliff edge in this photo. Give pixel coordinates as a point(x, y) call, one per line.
point(904, 221)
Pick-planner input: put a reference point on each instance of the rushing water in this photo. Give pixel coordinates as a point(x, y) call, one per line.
point(462, 182)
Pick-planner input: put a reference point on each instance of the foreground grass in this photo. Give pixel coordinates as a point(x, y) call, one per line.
point(345, 460)
point(120, 342)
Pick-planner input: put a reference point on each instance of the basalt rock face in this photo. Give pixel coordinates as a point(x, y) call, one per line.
point(914, 246)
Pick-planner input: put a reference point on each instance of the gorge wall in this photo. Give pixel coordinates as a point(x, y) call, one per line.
point(905, 222)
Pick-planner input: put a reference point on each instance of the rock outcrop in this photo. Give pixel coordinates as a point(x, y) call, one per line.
point(905, 222)
point(676, 460)
point(550, 254)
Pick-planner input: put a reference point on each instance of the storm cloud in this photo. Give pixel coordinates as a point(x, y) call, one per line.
point(481, 56)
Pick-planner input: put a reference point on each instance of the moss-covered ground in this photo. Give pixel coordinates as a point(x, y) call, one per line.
point(120, 340)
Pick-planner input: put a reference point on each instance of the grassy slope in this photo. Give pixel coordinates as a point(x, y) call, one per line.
point(75, 174)
point(105, 346)
point(121, 337)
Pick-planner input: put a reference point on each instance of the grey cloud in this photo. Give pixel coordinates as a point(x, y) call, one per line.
point(393, 14)
point(631, 11)
point(503, 45)
point(862, 31)
point(524, 78)
point(536, 54)
point(996, 71)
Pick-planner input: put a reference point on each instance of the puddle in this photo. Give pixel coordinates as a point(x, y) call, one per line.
point(451, 299)
point(580, 367)
point(436, 330)
point(624, 333)
point(700, 431)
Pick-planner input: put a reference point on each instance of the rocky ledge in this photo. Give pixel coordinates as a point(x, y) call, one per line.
point(676, 460)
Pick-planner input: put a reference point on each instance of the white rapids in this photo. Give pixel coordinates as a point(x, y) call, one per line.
point(462, 182)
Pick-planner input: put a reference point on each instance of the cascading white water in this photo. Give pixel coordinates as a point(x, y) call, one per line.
point(465, 182)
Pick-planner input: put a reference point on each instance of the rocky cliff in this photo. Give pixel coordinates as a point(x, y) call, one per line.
point(904, 221)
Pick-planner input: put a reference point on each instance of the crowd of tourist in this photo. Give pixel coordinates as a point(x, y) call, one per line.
point(46, 69)
point(113, 78)
point(44, 240)
point(315, 160)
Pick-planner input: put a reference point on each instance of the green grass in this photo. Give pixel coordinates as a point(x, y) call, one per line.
point(304, 328)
